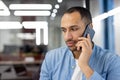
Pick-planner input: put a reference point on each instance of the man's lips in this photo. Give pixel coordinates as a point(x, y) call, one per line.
point(70, 43)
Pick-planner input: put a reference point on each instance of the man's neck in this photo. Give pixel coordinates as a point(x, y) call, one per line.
point(76, 53)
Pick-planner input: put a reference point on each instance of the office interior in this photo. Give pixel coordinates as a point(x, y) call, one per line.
point(30, 28)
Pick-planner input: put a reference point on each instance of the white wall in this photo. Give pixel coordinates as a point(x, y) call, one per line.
point(117, 27)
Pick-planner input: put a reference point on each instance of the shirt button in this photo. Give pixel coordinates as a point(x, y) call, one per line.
point(73, 67)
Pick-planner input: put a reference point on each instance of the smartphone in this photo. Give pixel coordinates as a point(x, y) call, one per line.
point(89, 30)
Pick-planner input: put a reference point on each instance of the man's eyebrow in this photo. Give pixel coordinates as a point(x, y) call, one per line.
point(62, 28)
point(74, 26)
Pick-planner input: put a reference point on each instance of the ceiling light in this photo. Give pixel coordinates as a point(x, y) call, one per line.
point(38, 25)
point(34, 24)
point(57, 6)
point(30, 6)
point(54, 10)
point(26, 36)
point(100, 17)
point(32, 13)
point(107, 14)
point(53, 14)
point(4, 11)
point(10, 25)
point(59, 1)
point(114, 11)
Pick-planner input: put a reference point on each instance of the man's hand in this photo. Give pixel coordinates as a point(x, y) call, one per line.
point(85, 46)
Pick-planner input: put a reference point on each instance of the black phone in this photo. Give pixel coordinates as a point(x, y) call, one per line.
point(89, 30)
point(20, 69)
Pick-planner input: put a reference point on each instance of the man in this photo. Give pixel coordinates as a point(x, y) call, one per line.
point(81, 59)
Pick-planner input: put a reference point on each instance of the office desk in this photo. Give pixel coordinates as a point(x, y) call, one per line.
point(9, 71)
point(20, 62)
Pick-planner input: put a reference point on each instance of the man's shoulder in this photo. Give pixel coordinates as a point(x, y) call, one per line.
point(101, 50)
point(58, 52)
point(105, 53)
point(104, 57)
point(56, 56)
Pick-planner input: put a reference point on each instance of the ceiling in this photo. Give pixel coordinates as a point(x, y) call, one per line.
point(63, 5)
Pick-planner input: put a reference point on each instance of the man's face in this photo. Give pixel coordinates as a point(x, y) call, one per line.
point(72, 27)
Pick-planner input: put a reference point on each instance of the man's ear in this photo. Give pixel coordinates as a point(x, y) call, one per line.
point(91, 25)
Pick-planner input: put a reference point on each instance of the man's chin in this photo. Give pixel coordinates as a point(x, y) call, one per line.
point(72, 48)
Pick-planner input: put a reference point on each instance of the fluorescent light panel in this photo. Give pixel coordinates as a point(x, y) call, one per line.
point(34, 24)
point(38, 36)
point(32, 13)
point(38, 25)
point(29, 36)
point(4, 11)
point(30, 6)
point(107, 14)
point(10, 25)
point(100, 17)
point(114, 11)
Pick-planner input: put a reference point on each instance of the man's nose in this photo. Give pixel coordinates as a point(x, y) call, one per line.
point(68, 35)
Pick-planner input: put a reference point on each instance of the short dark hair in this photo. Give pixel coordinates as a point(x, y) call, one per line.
point(84, 12)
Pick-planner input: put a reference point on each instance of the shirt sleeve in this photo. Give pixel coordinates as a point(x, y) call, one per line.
point(96, 76)
point(113, 70)
point(45, 70)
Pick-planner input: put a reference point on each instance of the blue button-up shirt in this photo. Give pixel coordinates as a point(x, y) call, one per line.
point(59, 64)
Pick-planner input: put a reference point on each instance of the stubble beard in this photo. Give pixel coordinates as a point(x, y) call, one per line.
point(73, 48)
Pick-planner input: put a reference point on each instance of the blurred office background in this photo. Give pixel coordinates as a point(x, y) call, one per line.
point(29, 28)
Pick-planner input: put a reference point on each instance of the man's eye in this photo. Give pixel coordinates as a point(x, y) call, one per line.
point(63, 30)
point(74, 29)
